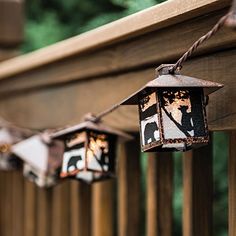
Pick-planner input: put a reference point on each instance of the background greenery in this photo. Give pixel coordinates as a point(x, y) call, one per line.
point(49, 21)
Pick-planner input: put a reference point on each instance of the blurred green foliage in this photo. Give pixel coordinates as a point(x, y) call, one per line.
point(50, 21)
point(178, 194)
point(220, 170)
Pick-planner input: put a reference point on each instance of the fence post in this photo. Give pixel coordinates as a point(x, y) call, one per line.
point(159, 194)
point(80, 209)
point(44, 211)
point(3, 203)
point(232, 184)
point(198, 192)
point(18, 203)
point(60, 210)
point(103, 210)
point(6, 212)
point(129, 189)
point(30, 227)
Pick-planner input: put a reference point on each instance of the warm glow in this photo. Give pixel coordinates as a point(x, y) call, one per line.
point(76, 139)
point(5, 148)
point(97, 146)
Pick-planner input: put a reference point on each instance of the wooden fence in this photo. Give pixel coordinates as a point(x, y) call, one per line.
point(59, 84)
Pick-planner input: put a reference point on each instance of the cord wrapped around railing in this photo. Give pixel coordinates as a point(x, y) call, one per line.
point(201, 40)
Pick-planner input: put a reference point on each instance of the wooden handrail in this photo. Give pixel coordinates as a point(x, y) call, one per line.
point(157, 17)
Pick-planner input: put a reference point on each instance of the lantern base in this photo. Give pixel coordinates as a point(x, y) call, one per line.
point(89, 177)
point(175, 147)
point(40, 178)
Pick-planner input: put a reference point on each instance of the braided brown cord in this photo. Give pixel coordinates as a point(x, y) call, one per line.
point(205, 37)
point(98, 117)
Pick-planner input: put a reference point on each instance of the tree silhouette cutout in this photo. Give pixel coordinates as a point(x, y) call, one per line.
point(97, 159)
point(144, 101)
point(168, 97)
point(186, 118)
point(100, 161)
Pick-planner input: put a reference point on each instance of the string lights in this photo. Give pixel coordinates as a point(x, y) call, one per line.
point(172, 112)
point(90, 150)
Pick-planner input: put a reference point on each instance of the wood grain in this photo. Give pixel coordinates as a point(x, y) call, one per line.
point(8, 202)
point(198, 192)
point(18, 203)
point(75, 200)
point(129, 190)
point(44, 211)
point(1, 203)
point(232, 184)
point(60, 210)
point(103, 209)
point(80, 209)
point(30, 211)
point(159, 194)
point(11, 28)
point(6, 54)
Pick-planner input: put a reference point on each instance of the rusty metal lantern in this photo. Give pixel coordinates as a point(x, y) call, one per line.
point(172, 111)
point(10, 135)
point(90, 151)
point(42, 159)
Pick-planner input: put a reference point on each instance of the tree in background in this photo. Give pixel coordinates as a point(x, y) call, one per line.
point(50, 21)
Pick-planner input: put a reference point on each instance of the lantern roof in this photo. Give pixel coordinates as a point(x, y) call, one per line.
point(90, 125)
point(40, 155)
point(167, 80)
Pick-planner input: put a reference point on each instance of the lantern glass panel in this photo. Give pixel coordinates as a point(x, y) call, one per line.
point(182, 113)
point(75, 154)
point(98, 152)
point(149, 124)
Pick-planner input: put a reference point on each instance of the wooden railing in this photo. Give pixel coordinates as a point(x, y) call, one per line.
point(59, 84)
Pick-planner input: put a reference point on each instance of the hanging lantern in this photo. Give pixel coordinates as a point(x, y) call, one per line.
point(90, 151)
point(9, 135)
point(172, 111)
point(43, 159)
